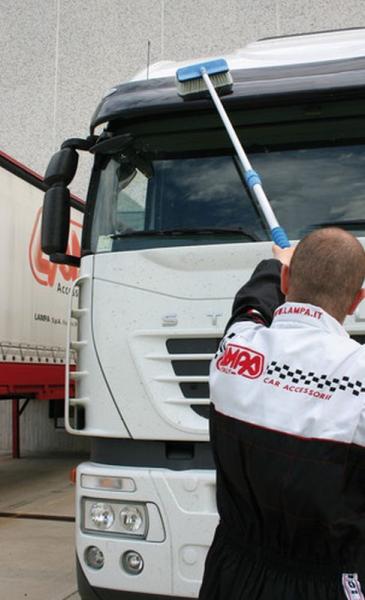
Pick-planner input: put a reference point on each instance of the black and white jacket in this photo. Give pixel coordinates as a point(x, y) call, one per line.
point(288, 435)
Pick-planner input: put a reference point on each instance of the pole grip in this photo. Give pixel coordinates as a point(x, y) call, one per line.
point(280, 238)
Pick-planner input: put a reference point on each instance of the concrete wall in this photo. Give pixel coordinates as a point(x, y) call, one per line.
point(59, 56)
point(37, 432)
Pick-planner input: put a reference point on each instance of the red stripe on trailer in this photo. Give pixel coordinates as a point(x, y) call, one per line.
point(29, 380)
point(20, 165)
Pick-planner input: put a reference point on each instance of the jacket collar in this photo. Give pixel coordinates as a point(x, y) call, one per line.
point(307, 315)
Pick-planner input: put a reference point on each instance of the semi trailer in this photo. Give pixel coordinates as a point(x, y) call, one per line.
point(33, 295)
point(170, 232)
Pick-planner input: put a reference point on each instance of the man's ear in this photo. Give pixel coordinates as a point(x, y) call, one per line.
point(284, 279)
point(356, 301)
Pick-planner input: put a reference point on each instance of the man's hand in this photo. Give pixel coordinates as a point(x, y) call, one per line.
point(283, 254)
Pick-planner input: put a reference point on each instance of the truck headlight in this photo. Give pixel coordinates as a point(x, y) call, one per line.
point(112, 517)
point(132, 518)
point(102, 515)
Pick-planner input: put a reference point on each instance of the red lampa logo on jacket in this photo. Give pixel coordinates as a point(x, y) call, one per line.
point(45, 271)
point(240, 360)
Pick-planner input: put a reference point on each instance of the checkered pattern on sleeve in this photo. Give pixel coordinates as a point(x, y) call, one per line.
point(321, 382)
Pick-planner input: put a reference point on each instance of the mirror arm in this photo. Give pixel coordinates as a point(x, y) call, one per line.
point(80, 143)
point(65, 259)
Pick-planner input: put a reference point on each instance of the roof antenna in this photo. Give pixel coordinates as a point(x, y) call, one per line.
point(148, 58)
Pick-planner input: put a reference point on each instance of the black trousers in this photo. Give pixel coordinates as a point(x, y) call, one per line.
point(233, 573)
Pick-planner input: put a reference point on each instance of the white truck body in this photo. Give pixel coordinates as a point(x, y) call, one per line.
point(150, 313)
point(272, 52)
point(181, 504)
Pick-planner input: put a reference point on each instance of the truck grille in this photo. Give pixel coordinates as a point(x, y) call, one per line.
point(174, 369)
point(358, 338)
point(189, 359)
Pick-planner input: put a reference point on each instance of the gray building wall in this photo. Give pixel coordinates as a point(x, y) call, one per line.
point(59, 56)
point(37, 434)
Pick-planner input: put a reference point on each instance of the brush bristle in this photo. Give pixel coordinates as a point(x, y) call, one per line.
point(196, 88)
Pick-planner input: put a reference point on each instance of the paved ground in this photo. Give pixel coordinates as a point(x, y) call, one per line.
point(37, 555)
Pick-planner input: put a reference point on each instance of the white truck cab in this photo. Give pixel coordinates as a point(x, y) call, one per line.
point(170, 233)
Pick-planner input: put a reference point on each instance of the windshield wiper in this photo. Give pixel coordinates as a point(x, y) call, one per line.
point(345, 223)
point(185, 231)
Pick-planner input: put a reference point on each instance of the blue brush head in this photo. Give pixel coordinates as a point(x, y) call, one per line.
point(212, 67)
point(191, 85)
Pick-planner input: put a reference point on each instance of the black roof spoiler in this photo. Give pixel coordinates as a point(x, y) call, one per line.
point(261, 86)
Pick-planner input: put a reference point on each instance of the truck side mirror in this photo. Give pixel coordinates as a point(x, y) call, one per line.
point(62, 167)
point(55, 220)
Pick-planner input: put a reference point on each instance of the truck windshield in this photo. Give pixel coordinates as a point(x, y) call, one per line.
point(203, 199)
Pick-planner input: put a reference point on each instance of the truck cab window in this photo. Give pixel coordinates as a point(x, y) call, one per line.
point(184, 197)
point(131, 202)
point(204, 200)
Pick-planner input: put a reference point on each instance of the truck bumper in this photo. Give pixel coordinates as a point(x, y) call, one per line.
point(95, 593)
point(182, 518)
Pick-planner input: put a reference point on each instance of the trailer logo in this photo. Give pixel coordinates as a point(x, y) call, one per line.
point(239, 360)
point(43, 270)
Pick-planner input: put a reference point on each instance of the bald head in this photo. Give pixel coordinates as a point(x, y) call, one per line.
point(327, 270)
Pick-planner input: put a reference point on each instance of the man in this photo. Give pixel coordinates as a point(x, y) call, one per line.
point(288, 431)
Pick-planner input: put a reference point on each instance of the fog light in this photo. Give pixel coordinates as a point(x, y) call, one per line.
point(132, 562)
point(102, 515)
point(132, 518)
point(94, 557)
